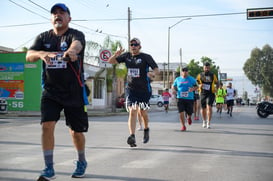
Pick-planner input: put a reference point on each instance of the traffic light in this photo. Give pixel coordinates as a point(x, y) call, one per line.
point(259, 13)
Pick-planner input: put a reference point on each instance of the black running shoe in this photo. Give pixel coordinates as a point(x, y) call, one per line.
point(132, 140)
point(146, 135)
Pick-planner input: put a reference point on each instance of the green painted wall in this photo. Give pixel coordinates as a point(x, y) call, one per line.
point(20, 82)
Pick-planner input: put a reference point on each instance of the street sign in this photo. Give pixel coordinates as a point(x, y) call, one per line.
point(223, 76)
point(259, 13)
point(105, 54)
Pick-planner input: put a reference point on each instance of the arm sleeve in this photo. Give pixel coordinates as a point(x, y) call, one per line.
point(151, 62)
point(215, 79)
point(122, 57)
point(37, 45)
point(80, 37)
point(193, 81)
point(198, 79)
point(174, 83)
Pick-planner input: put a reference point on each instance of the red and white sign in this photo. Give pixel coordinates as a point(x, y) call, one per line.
point(105, 55)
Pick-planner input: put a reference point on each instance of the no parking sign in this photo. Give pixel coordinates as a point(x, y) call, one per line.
point(105, 54)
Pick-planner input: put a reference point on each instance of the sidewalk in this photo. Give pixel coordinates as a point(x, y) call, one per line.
point(91, 112)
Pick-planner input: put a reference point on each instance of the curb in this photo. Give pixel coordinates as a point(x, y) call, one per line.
point(91, 113)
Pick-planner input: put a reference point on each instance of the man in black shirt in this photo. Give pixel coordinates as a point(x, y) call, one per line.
point(206, 81)
point(63, 85)
point(138, 88)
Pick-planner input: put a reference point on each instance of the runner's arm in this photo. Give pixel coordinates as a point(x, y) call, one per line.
point(35, 55)
point(113, 58)
point(152, 74)
point(73, 51)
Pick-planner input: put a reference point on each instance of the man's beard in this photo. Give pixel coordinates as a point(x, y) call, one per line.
point(58, 25)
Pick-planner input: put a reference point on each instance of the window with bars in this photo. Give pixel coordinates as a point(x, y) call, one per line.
point(98, 86)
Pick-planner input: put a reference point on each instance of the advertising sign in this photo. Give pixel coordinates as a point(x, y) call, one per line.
point(20, 82)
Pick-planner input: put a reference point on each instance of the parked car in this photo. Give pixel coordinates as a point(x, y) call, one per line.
point(157, 100)
point(120, 103)
point(253, 102)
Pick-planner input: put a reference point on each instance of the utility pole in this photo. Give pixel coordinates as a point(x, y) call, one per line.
point(180, 51)
point(129, 27)
point(169, 30)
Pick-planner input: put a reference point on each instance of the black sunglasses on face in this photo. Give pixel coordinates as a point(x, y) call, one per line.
point(134, 44)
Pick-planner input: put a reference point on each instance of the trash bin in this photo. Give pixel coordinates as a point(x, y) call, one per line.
point(3, 106)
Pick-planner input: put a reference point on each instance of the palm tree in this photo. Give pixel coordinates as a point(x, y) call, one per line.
point(116, 71)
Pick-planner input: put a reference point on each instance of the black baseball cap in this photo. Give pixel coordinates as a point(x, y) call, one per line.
point(61, 6)
point(185, 69)
point(206, 64)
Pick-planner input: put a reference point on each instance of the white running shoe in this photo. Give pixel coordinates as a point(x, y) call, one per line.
point(140, 128)
point(204, 124)
point(208, 125)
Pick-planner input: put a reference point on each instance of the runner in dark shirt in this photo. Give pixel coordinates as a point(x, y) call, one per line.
point(206, 81)
point(63, 85)
point(60, 78)
point(138, 88)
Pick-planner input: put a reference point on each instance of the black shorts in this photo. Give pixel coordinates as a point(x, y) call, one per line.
point(230, 102)
point(140, 98)
point(76, 117)
point(185, 105)
point(207, 99)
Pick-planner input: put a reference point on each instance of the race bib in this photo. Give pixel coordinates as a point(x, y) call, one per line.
point(206, 86)
point(184, 94)
point(57, 63)
point(133, 72)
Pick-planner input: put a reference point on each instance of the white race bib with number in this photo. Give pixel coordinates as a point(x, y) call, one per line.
point(57, 63)
point(206, 86)
point(133, 72)
point(184, 94)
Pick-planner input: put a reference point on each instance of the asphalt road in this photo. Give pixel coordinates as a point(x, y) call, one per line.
point(238, 148)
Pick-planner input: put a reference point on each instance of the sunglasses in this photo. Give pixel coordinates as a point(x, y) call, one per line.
point(134, 44)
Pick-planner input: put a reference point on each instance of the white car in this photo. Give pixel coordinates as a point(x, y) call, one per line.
point(156, 100)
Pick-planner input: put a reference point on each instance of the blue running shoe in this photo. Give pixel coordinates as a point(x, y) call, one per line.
point(47, 174)
point(80, 170)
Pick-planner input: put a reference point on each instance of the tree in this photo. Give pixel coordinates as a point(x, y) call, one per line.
point(213, 68)
point(194, 68)
point(91, 52)
point(259, 69)
point(24, 49)
point(117, 70)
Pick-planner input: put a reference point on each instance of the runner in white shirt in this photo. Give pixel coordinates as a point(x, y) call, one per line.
point(231, 93)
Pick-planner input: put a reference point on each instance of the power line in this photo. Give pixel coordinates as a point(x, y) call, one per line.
point(191, 16)
point(48, 19)
point(167, 17)
point(123, 19)
point(118, 19)
point(25, 43)
point(28, 9)
point(39, 6)
point(29, 24)
point(97, 31)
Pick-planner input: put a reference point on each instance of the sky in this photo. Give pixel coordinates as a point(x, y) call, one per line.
point(227, 40)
